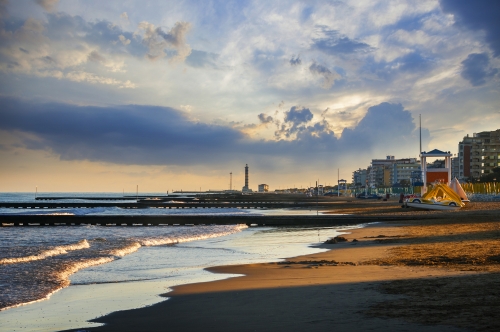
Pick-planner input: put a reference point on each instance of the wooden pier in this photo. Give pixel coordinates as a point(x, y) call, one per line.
point(270, 201)
point(167, 205)
point(181, 220)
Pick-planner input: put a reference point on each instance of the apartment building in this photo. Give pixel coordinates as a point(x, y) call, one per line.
point(403, 170)
point(479, 154)
point(359, 177)
point(389, 171)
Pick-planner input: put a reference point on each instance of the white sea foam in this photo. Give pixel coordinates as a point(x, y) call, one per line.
point(58, 250)
point(120, 252)
point(78, 265)
point(187, 238)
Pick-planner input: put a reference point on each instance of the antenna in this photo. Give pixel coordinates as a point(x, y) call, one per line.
point(317, 198)
point(231, 181)
point(420, 118)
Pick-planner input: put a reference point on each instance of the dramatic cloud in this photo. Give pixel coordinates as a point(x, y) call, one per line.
point(158, 41)
point(329, 76)
point(389, 124)
point(477, 15)
point(123, 134)
point(148, 135)
point(234, 60)
point(476, 69)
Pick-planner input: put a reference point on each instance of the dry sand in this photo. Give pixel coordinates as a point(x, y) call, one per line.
point(433, 275)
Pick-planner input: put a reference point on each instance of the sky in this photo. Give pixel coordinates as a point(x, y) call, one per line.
point(104, 96)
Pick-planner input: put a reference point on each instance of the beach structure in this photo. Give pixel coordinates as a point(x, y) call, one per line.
point(431, 175)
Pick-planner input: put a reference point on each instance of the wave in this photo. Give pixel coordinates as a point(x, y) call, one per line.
point(179, 239)
point(58, 250)
point(61, 278)
point(73, 267)
point(120, 252)
point(53, 273)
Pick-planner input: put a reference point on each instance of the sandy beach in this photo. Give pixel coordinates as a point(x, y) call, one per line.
point(432, 275)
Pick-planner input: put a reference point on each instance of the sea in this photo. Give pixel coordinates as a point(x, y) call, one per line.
point(55, 278)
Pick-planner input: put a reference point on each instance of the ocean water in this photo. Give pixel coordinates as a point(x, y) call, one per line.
point(87, 271)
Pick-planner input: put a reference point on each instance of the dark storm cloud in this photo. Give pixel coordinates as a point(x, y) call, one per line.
point(477, 15)
point(335, 44)
point(476, 69)
point(129, 134)
point(148, 135)
point(387, 123)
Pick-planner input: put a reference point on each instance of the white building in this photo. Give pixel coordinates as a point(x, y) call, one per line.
point(263, 188)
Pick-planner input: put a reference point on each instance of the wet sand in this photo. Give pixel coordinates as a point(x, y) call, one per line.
point(433, 275)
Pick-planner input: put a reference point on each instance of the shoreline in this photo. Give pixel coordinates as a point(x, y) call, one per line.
point(276, 293)
point(267, 244)
point(366, 281)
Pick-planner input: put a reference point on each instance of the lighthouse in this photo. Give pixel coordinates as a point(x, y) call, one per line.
point(245, 189)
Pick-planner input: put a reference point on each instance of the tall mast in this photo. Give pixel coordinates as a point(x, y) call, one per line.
point(420, 128)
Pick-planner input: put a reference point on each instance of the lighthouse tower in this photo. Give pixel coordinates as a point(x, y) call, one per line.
point(245, 189)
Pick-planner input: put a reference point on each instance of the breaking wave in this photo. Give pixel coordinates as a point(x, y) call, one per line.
point(30, 278)
point(58, 250)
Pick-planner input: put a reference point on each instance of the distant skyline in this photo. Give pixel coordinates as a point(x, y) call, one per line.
point(107, 95)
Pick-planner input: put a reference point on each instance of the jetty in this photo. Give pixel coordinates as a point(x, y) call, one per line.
point(185, 220)
point(38, 212)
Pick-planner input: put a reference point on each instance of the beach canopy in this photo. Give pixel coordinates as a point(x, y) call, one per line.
point(442, 192)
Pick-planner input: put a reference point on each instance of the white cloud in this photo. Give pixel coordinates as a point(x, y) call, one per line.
point(81, 76)
point(124, 40)
point(158, 41)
